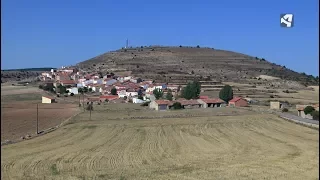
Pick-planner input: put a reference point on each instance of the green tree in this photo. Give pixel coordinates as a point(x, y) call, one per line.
point(90, 89)
point(157, 93)
point(62, 89)
point(308, 110)
point(140, 97)
point(80, 90)
point(169, 95)
point(114, 91)
point(192, 90)
point(226, 93)
point(85, 89)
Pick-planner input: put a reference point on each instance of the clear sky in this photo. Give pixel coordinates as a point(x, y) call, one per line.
point(46, 33)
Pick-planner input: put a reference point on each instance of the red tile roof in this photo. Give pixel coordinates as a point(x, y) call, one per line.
point(111, 97)
point(163, 102)
point(203, 97)
point(93, 99)
point(68, 82)
point(48, 97)
point(188, 102)
point(212, 100)
point(235, 99)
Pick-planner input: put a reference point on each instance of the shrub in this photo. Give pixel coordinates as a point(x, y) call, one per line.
point(40, 87)
point(198, 46)
point(89, 107)
point(308, 110)
point(145, 104)
point(285, 110)
point(271, 96)
point(176, 105)
point(286, 91)
point(71, 94)
point(315, 115)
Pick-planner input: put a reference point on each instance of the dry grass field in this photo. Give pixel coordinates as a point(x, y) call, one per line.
point(131, 142)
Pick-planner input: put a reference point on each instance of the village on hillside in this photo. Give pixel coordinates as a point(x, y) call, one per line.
point(100, 88)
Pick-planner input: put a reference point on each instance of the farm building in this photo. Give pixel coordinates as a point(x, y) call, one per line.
point(71, 83)
point(277, 105)
point(300, 109)
point(238, 102)
point(189, 104)
point(47, 100)
point(211, 103)
point(159, 105)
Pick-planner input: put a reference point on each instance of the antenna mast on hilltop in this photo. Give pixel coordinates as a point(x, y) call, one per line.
point(127, 44)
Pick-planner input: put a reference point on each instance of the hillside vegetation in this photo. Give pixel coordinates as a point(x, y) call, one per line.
point(178, 64)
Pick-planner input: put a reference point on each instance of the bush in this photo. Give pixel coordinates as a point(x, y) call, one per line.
point(176, 105)
point(308, 110)
point(40, 87)
point(271, 96)
point(285, 110)
point(145, 104)
point(89, 107)
point(71, 94)
point(114, 91)
point(198, 46)
point(315, 115)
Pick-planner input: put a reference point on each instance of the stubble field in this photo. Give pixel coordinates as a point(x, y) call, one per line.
point(142, 144)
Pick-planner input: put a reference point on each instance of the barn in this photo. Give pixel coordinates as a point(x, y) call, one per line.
point(47, 100)
point(211, 103)
point(159, 105)
point(238, 102)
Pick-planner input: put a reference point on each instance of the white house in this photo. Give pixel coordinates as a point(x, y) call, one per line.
point(73, 90)
point(136, 100)
point(122, 93)
point(131, 93)
point(127, 78)
point(151, 88)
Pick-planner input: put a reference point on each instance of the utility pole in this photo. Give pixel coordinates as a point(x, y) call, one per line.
point(91, 104)
point(37, 118)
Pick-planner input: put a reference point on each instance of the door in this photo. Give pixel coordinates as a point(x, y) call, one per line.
point(162, 107)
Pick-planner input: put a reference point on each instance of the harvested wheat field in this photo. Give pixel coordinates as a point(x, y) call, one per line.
point(250, 146)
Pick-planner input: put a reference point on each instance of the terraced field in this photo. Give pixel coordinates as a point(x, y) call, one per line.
point(247, 146)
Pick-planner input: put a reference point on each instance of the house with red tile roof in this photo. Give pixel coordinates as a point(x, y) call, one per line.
point(238, 102)
point(211, 103)
point(71, 83)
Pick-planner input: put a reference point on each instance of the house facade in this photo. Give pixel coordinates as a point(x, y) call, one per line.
point(211, 103)
point(47, 100)
point(238, 102)
point(159, 105)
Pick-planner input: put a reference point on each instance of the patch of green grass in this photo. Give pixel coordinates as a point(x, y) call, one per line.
point(122, 178)
point(21, 97)
point(89, 127)
point(54, 170)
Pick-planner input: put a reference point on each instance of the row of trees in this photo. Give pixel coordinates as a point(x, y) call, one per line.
point(192, 91)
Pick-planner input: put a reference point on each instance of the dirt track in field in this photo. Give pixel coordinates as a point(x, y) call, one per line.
point(242, 147)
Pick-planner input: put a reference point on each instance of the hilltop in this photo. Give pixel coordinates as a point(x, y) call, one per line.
point(181, 64)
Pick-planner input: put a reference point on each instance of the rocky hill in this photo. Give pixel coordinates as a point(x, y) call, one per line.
point(13, 75)
point(181, 64)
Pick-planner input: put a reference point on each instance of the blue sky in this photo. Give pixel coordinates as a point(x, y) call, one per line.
point(43, 33)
